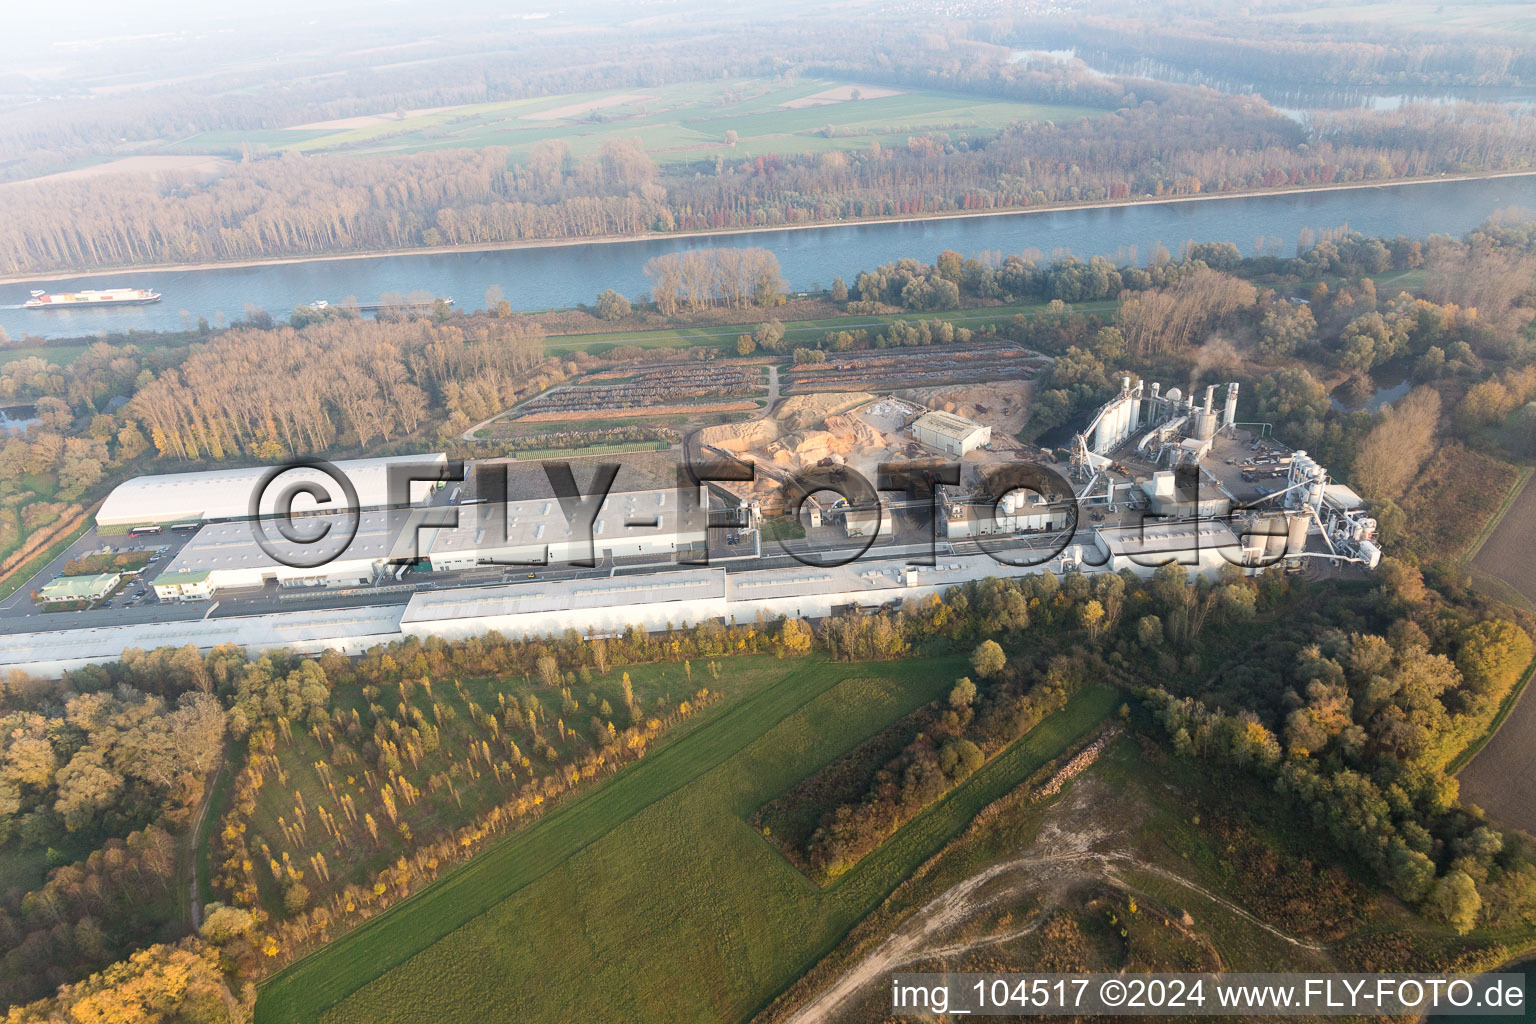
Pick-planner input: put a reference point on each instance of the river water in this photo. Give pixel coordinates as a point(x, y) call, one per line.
point(1289, 98)
point(541, 278)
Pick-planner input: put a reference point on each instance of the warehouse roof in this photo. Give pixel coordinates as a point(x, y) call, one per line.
point(1167, 538)
point(230, 546)
point(226, 493)
point(566, 595)
point(537, 522)
point(181, 579)
point(1342, 496)
point(947, 424)
point(52, 650)
point(527, 479)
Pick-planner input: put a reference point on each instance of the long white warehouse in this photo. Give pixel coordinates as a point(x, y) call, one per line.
point(226, 493)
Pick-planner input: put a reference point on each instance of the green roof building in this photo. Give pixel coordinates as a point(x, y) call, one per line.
point(78, 588)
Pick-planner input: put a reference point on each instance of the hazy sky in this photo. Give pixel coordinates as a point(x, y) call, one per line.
point(74, 21)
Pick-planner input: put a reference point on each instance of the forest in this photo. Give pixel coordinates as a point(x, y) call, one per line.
point(1188, 142)
point(1263, 44)
point(357, 781)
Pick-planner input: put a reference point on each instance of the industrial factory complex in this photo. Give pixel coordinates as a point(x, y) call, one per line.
point(1155, 476)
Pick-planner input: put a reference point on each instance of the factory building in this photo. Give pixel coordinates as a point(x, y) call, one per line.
point(1199, 545)
point(1017, 512)
point(609, 604)
point(184, 585)
point(632, 524)
point(865, 522)
point(1145, 415)
point(229, 556)
point(640, 526)
point(1170, 496)
point(950, 434)
point(226, 493)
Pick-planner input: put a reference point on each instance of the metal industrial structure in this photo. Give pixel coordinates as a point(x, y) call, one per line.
point(1170, 436)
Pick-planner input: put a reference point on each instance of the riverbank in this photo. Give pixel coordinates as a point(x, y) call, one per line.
point(547, 243)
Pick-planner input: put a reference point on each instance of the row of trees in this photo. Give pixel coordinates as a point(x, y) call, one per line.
point(295, 205)
point(268, 393)
point(735, 278)
point(949, 741)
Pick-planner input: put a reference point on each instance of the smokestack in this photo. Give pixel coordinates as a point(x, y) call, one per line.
point(1210, 397)
point(1230, 415)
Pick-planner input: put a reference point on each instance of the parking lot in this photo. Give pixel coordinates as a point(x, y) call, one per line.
point(133, 593)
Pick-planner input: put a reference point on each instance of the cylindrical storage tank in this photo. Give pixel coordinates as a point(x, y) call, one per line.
point(1296, 535)
point(1315, 487)
point(1276, 537)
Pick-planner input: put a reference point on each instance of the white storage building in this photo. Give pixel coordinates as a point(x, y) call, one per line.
point(226, 493)
point(951, 434)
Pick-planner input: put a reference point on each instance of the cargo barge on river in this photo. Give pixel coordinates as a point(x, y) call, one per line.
point(80, 300)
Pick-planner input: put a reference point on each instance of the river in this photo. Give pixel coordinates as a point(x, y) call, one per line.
point(565, 275)
point(1288, 98)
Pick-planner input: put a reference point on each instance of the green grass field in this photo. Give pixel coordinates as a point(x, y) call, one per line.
point(651, 898)
point(682, 122)
point(796, 332)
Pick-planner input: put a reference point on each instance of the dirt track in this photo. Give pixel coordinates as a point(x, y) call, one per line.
point(1077, 843)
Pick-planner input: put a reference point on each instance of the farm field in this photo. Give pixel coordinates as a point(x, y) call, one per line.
point(677, 123)
point(601, 910)
point(1495, 16)
point(1458, 492)
point(317, 775)
point(653, 390)
point(1509, 553)
point(1501, 779)
point(883, 369)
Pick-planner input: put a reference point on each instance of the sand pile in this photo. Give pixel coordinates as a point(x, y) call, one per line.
point(740, 437)
point(804, 412)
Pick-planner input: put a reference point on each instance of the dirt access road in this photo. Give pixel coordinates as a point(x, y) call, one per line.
point(1084, 839)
